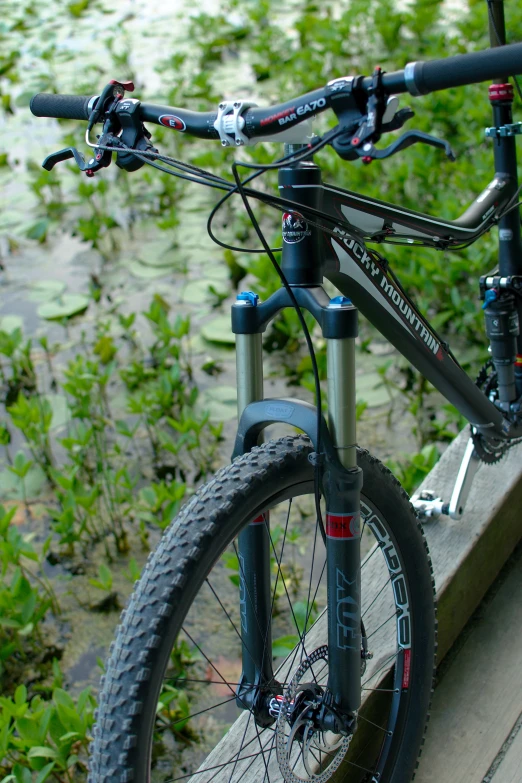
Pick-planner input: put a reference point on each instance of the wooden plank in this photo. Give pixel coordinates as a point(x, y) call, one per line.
point(467, 556)
point(480, 696)
point(510, 770)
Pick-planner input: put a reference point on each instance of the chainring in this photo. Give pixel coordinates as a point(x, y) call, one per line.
point(489, 451)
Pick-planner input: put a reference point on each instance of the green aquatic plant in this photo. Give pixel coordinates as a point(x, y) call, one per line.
point(45, 739)
point(26, 595)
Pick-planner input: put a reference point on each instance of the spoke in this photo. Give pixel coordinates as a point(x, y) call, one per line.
point(308, 604)
point(381, 625)
point(353, 764)
point(195, 714)
point(241, 747)
point(202, 682)
point(265, 762)
point(376, 597)
point(377, 548)
point(275, 586)
point(385, 664)
point(217, 766)
point(229, 618)
point(382, 690)
point(280, 572)
point(375, 724)
point(208, 660)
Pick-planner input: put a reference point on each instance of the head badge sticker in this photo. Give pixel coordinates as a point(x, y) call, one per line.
point(295, 228)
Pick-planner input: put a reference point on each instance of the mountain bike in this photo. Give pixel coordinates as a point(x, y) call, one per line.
point(284, 629)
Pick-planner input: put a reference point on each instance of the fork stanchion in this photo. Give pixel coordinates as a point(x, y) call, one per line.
point(343, 533)
point(254, 541)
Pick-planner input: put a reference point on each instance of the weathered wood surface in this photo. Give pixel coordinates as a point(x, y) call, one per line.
point(479, 699)
point(510, 769)
point(467, 556)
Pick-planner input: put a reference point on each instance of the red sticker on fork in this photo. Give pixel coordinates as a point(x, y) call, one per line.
point(343, 525)
point(259, 520)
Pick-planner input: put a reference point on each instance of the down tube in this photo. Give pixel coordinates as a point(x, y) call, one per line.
point(350, 268)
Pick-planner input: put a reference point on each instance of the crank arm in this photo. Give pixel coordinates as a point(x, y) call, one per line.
point(429, 506)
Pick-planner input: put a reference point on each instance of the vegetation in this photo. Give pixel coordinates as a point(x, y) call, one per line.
point(104, 428)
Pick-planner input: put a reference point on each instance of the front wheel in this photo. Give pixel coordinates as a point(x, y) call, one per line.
point(168, 706)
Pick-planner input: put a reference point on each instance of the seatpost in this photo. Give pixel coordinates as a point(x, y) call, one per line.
point(503, 310)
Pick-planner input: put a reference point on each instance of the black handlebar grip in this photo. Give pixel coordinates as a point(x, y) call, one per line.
point(65, 107)
point(424, 77)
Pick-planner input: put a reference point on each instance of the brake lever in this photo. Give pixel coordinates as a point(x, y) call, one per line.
point(369, 152)
point(101, 159)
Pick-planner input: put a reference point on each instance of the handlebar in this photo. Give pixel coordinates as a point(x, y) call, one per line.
point(359, 103)
point(418, 78)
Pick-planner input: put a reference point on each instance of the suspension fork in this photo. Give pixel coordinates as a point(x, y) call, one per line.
point(253, 544)
point(342, 484)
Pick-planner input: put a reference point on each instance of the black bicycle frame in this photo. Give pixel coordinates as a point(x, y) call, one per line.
point(339, 253)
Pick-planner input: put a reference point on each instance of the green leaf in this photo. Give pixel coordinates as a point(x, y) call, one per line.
point(284, 645)
point(21, 465)
point(60, 410)
point(20, 696)
point(45, 772)
point(10, 484)
point(39, 230)
point(43, 753)
point(105, 575)
point(65, 306)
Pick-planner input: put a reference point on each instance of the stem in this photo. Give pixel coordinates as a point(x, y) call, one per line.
point(44, 582)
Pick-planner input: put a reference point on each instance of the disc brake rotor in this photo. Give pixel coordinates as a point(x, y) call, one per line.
point(305, 752)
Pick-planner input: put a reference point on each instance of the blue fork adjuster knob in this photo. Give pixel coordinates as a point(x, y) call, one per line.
point(249, 297)
point(490, 296)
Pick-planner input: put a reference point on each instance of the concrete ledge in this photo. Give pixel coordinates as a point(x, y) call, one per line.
point(467, 556)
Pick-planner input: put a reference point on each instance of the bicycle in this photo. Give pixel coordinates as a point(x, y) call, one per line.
point(349, 696)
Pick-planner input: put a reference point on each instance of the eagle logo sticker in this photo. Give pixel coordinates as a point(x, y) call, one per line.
point(295, 228)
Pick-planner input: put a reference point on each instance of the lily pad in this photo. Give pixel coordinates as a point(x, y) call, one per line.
point(219, 330)
point(369, 389)
point(216, 270)
point(45, 290)
point(172, 259)
point(198, 291)
point(144, 272)
point(8, 323)
point(64, 307)
point(220, 402)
